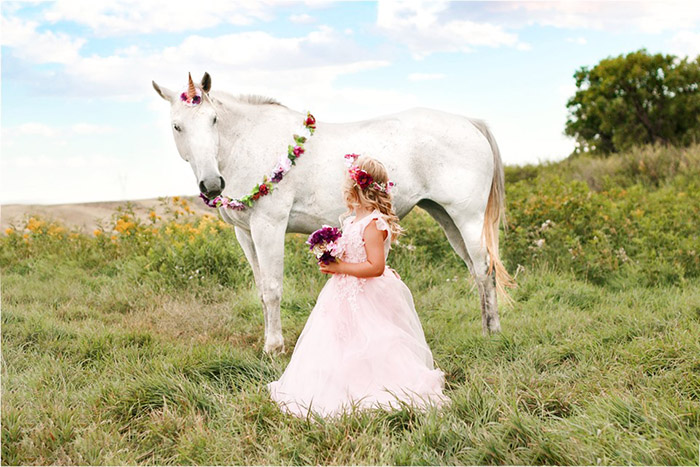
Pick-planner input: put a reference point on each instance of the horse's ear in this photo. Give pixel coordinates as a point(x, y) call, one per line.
point(165, 93)
point(206, 82)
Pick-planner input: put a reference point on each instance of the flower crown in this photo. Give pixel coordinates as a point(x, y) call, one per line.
point(362, 178)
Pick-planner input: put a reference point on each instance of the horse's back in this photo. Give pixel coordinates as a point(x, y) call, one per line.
point(451, 156)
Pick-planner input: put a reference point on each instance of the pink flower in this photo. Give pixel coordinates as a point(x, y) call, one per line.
point(350, 158)
point(335, 249)
point(298, 151)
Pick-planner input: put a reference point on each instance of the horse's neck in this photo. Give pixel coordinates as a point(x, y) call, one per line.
point(243, 154)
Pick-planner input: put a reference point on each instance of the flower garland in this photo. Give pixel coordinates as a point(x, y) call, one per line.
point(266, 187)
point(362, 178)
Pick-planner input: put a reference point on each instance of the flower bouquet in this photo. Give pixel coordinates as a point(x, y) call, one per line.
point(324, 244)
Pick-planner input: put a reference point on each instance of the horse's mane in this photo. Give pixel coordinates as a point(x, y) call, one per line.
point(257, 99)
point(254, 99)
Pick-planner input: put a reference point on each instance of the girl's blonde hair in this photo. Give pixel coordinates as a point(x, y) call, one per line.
point(370, 197)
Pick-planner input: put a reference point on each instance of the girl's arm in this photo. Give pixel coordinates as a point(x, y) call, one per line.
point(374, 266)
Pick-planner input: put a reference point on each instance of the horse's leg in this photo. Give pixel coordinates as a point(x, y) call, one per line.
point(246, 241)
point(485, 282)
point(453, 234)
point(268, 241)
point(466, 241)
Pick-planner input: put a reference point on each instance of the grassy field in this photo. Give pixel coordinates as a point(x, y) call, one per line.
point(141, 342)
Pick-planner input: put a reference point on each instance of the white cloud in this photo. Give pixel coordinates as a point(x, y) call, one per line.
point(425, 28)
point(644, 16)
point(43, 161)
point(47, 131)
point(302, 18)
point(425, 76)
point(39, 47)
point(262, 63)
point(319, 3)
point(685, 44)
point(119, 17)
point(35, 129)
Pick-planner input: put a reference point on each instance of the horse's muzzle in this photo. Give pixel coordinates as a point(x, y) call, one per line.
point(212, 187)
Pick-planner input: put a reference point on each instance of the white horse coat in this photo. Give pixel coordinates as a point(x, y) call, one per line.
point(447, 164)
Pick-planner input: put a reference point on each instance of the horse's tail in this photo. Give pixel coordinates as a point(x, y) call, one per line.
point(495, 213)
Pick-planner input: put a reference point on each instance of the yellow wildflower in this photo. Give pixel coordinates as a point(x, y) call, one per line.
point(34, 224)
point(97, 232)
point(56, 230)
point(124, 227)
point(9, 231)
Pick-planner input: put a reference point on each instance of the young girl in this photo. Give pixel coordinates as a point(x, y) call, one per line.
point(363, 345)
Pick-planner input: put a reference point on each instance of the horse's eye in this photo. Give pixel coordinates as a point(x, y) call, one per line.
point(214, 121)
point(177, 127)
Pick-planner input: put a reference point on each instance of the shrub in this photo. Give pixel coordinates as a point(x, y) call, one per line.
point(639, 224)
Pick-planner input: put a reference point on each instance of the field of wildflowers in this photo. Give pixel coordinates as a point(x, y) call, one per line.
point(141, 341)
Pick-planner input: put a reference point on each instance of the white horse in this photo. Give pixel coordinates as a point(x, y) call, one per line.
point(447, 164)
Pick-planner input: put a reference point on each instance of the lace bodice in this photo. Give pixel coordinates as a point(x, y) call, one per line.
point(352, 242)
point(354, 252)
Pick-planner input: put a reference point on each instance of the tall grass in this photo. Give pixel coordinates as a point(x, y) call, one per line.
point(619, 221)
point(141, 343)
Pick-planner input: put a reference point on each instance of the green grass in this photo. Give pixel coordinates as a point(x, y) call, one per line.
point(111, 354)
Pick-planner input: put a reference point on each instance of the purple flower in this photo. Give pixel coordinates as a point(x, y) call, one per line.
point(326, 258)
point(223, 201)
point(324, 235)
point(277, 176)
point(322, 243)
point(207, 201)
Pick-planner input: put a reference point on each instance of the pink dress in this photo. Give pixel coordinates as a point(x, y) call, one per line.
point(363, 345)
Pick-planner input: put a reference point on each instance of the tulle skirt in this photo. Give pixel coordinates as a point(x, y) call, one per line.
point(363, 347)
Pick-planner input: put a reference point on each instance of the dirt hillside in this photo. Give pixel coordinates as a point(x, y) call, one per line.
point(86, 216)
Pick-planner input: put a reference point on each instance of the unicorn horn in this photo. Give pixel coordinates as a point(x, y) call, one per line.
point(191, 92)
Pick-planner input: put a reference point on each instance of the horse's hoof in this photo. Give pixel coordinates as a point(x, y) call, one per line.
point(493, 327)
point(274, 347)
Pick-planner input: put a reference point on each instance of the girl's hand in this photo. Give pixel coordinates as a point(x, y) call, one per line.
point(331, 268)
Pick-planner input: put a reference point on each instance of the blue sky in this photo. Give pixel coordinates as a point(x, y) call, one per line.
point(80, 121)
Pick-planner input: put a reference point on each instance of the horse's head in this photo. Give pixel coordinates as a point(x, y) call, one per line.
point(193, 120)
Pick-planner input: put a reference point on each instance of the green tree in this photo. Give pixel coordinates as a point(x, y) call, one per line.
point(635, 99)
